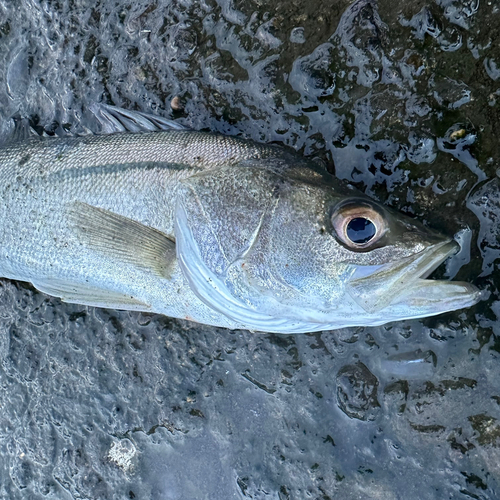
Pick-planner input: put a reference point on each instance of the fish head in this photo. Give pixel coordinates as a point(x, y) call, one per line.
point(293, 251)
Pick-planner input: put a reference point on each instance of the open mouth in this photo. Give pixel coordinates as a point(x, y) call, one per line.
point(405, 283)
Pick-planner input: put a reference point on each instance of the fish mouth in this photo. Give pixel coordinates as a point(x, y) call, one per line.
point(402, 285)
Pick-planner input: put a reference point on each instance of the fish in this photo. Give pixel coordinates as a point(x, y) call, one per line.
point(150, 216)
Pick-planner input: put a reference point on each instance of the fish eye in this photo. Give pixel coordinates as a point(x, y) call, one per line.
point(360, 230)
point(358, 224)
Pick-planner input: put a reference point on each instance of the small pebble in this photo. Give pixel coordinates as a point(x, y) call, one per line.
point(297, 35)
point(176, 104)
point(458, 134)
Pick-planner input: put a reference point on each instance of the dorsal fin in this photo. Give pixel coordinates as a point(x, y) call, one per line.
point(113, 120)
point(17, 129)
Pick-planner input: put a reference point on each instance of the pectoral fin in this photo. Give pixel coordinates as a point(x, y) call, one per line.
point(123, 239)
point(77, 293)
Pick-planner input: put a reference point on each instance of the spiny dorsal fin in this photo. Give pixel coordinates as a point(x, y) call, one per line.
point(17, 129)
point(113, 120)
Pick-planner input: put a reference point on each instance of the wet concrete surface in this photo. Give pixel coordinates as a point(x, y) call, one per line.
point(400, 99)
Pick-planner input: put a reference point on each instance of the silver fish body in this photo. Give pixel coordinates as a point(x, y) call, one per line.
point(213, 229)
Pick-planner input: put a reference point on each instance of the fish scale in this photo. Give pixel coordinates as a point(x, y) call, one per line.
point(195, 149)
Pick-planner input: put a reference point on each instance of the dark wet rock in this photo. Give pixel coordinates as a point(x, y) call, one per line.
point(396, 395)
point(357, 391)
point(485, 203)
point(487, 428)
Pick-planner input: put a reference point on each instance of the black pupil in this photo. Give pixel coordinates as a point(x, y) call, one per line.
point(360, 230)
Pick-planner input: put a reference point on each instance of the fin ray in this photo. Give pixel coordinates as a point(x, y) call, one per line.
point(18, 129)
point(124, 239)
point(114, 119)
point(77, 293)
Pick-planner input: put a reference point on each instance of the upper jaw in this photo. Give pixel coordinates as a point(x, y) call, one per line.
point(403, 284)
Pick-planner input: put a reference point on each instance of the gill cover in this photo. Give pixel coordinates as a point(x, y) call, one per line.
point(219, 217)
